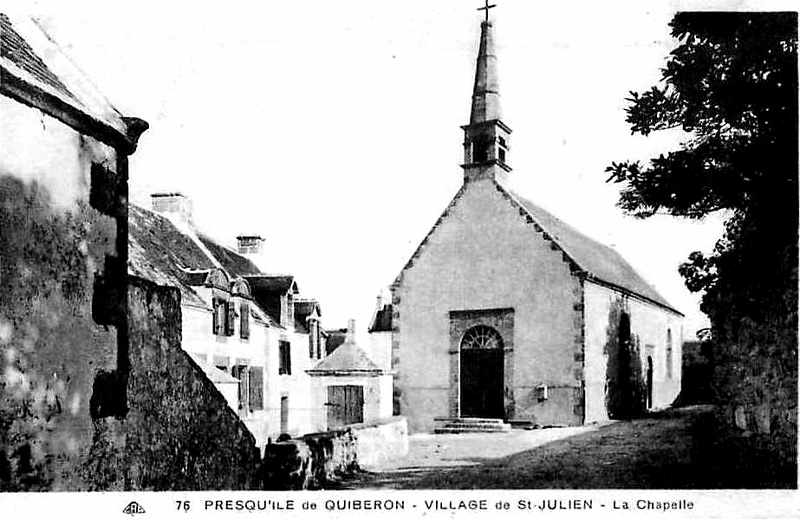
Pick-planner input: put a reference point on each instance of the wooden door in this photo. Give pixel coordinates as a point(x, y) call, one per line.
point(284, 414)
point(345, 405)
point(482, 383)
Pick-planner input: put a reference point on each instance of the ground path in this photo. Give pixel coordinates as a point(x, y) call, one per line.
point(672, 449)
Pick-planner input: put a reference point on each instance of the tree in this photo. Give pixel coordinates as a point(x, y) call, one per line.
point(732, 85)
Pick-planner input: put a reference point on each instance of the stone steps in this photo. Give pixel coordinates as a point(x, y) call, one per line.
point(470, 425)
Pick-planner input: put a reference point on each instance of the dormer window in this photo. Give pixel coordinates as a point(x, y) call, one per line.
point(224, 317)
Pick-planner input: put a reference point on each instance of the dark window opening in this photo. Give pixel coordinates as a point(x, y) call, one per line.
point(669, 353)
point(480, 151)
point(285, 360)
point(502, 142)
point(501, 153)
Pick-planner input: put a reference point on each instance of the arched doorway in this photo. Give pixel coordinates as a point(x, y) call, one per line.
point(481, 381)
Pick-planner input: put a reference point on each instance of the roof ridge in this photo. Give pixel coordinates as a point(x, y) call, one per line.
point(590, 273)
point(341, 351)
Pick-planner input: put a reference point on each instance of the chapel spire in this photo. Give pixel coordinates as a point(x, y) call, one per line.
point(485, 92)
point(486, 136)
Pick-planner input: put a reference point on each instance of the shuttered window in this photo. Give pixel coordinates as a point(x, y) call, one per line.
point(215, 316)
point(230, 318)
point(256, 386)
point(244, 320)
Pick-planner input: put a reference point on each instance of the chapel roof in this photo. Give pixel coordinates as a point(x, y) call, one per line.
point(599, 262)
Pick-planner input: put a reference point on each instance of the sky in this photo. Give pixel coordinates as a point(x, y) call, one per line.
point(333, 128)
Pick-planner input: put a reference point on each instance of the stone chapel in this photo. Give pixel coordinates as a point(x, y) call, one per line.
point(505, 314)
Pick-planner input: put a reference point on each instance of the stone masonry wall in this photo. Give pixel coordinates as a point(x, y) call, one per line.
point(58, 256)
point(179, 432)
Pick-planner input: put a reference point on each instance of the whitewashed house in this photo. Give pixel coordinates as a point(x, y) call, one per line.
point(250, 332)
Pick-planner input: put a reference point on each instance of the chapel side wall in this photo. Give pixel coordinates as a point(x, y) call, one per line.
point(649, 325)
point(485, 255)
point(54, 246)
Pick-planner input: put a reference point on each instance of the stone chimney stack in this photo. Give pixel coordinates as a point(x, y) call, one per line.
point(351, 331)
point(175, 204)
point(250, 244)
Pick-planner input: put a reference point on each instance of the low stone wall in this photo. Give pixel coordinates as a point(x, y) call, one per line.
point(309, 462)
point(381, 441)
point(317, 460)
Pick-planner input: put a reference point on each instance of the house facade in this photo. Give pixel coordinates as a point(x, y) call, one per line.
point(506, 312)
point(251, 333)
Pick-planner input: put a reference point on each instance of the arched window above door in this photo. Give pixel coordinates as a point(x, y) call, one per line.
point(482, 337)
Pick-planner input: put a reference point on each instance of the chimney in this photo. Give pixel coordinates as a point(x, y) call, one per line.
point(351, 331)
point(250, 244)
point(173, 204)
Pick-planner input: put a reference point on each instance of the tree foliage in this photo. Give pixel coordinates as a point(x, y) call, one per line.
point(732, 84)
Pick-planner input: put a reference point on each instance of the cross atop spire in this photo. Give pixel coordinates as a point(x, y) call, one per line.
point(486, 8)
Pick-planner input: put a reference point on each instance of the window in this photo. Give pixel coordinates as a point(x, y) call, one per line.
point(481, 337)
point(285, 358)
point(251, 387)
point(241, 372)
point(256, 386)
point(501, 153)
point(480, 151)
point(244, 320)
point(313, 339)
point(230, 318)
point(224, 317)
point(502, 142)
point(669, 353)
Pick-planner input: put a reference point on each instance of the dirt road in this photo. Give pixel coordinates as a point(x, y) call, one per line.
point(673, 449)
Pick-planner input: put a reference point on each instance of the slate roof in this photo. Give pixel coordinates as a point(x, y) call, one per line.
point(160, 252)
point(267, 291)
point(335, 339)
point(348, 358)
point(382, 320)
point(233, 262)
point(303, 309)
point(597, 261)
point(36, 71)
point(271, 283)
point(14, 48)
